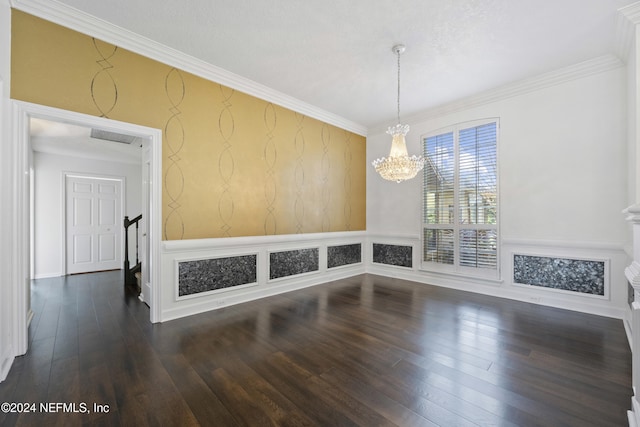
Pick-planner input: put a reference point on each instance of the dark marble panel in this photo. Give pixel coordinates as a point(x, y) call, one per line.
point(393, 254)
point(560, 273)
point(290, 263)
point(216, 273)
point(344, 255)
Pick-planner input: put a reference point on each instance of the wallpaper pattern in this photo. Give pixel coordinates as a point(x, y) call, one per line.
point(104, 90)
point(233, 165)
point(173, 137)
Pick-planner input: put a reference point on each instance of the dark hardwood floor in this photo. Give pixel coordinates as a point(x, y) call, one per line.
point(366, 351)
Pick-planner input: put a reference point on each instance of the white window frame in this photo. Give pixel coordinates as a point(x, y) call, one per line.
point(456, 268)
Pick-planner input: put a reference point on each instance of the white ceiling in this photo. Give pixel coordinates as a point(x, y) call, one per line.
point(76, 141)
point(336, 54)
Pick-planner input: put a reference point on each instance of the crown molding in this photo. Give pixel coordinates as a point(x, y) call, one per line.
point(542, 81)
point(626, 21)
point(67, 16)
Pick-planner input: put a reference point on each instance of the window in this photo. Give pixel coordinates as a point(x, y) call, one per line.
point(460, 223)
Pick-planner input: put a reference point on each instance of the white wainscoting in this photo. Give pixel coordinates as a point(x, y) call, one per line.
point(614, 304)
point(176, 251)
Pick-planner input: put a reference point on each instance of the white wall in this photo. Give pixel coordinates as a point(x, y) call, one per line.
point(6, 253)
point(563, 181)
point(48, 200)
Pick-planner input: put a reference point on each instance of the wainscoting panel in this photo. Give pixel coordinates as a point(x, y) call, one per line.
point(294, 262)
point(338, 256)
point(204, 275)
point(574, 275)
point(397, 255)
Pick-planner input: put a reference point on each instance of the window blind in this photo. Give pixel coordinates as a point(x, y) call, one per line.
point(461, 197)
point(439, 175)
point(477, 196)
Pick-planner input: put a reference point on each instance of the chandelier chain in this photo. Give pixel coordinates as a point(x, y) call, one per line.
point(398, 52)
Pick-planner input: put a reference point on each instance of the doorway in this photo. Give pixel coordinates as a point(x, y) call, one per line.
point(23, 159)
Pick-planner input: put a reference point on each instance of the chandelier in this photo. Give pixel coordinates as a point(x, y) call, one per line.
point(399, 166)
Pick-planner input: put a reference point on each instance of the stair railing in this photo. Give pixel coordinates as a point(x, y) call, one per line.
point(130, 272)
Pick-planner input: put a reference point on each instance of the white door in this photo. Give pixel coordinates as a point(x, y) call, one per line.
point(93, 224)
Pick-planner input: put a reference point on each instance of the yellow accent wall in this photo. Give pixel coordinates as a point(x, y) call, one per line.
point(233, 165)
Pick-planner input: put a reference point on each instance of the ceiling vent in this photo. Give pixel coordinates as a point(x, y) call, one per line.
point(112, 136)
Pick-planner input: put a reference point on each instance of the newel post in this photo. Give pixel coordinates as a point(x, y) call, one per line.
point(126, 249)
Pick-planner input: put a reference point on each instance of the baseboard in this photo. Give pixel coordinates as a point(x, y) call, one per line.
point(611, 304)
point(494, 290)
point(225, 299)
point(47, 275)
point(263, 270)
point(6, 363)
point(634, 414)
point(145, 293)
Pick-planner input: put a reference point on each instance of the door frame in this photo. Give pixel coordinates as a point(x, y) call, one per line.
point(23, 162)
point(145, 291)
point(123, 208)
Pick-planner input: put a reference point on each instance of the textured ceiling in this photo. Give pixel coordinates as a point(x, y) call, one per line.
point(336, 54)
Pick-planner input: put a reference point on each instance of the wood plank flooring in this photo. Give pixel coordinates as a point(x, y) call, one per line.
point(365, 351)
